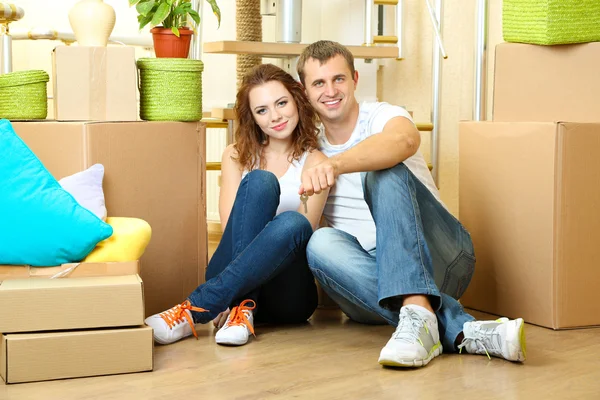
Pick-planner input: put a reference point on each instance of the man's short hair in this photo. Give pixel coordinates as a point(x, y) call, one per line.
point(324, 50)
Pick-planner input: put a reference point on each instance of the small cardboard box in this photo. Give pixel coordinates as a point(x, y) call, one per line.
point(94, 83)
point(547, 83)
point(74, 270)
point(33, 305)
point(45, 356)
point(529, 196)
point(155, 171)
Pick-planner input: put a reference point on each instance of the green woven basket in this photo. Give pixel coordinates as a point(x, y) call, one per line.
point(170, 89)
point(24, 95)
point(550, 22)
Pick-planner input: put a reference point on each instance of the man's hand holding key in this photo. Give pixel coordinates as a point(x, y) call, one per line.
point(318, 178)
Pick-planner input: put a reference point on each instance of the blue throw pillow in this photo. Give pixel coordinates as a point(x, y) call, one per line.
point(41, 224)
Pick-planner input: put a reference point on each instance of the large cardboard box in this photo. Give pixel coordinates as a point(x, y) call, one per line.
point(529, 196)
point(547, 83)
point(94, 83)
point(33, 305)
point(58, 355)
point(154, 171)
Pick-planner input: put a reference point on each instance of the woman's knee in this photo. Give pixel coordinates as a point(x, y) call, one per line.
point(262, 180)
point(294, 223)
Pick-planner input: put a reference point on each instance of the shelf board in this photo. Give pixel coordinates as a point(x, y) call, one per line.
point(279, 50)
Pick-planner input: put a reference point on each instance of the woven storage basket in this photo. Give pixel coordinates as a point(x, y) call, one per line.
point(24, 95)
point(170, 89)
point(550, 22)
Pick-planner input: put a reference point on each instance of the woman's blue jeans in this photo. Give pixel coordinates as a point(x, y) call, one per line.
point(262, 257)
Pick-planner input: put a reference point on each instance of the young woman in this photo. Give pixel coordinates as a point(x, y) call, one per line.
point(259, 268)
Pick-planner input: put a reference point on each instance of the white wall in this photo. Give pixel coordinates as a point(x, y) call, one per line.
point(406, 82)
point(340, 20)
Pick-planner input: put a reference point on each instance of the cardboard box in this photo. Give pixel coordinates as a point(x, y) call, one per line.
point(547, 83)
point(33, 305)
point(74, 270)
point(154, 171)
point(94, 83)
point(58, 355)
point(529, 196)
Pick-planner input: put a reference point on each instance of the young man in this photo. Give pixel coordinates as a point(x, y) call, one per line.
point(392, 253)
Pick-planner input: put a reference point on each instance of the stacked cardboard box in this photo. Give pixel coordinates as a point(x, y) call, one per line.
point(94, 83)
point(153, 171)
point(528, 187)
point(72, 321)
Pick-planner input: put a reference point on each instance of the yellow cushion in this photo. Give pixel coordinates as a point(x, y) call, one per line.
point(127, 243)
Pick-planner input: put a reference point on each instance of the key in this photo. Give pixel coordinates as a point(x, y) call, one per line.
point(304, 200)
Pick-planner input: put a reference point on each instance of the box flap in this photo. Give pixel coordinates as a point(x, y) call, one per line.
point(577, 275)
point(59, 284)
point(74, 270)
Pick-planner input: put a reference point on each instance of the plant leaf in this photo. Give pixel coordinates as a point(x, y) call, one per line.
point(216, 11)
point(179, 10)
point(195, 16)
point(161, 13)
point(145, 7)
point(133, 2)
point(175, 31)
point(144, 20)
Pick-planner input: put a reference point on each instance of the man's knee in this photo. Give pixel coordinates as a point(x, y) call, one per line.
point(319, 246)
point(381, 178)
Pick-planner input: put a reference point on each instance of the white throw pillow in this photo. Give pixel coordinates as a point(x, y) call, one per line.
point(86, 188)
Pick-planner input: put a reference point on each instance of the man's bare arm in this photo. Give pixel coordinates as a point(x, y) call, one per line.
point(398, 141)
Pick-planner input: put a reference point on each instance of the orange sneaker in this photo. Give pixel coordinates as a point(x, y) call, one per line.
point(239, 325)
point(174, 324)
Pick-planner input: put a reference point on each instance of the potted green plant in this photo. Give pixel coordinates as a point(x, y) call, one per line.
point(169, 19)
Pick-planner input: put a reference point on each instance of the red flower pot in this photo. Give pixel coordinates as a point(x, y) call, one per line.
point(167, 45)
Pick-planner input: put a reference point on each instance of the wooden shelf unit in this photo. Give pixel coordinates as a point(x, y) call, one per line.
point(284, 50)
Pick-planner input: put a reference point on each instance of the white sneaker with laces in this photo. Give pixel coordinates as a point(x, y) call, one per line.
point(502, 338)
point(174, 324)
point(416, 340)
point(239, 325)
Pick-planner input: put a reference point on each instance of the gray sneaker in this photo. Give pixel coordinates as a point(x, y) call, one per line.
point(415, 342)
point(502, 338)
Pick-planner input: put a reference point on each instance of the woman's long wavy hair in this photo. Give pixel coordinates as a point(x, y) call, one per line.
point(250, 140)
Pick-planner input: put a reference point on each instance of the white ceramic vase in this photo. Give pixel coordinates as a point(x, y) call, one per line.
point(92, 22)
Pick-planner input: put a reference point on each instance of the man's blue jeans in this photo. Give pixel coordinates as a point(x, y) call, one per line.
point(420, 249)
point(260, 256)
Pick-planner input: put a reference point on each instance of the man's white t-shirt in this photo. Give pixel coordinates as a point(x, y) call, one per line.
point(346, 208)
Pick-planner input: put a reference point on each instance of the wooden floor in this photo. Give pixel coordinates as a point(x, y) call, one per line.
point(333, 358)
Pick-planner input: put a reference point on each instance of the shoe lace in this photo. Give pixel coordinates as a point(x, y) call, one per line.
point(409, 327)
point(483, 341)
point(239, 315)
point(178, 315)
